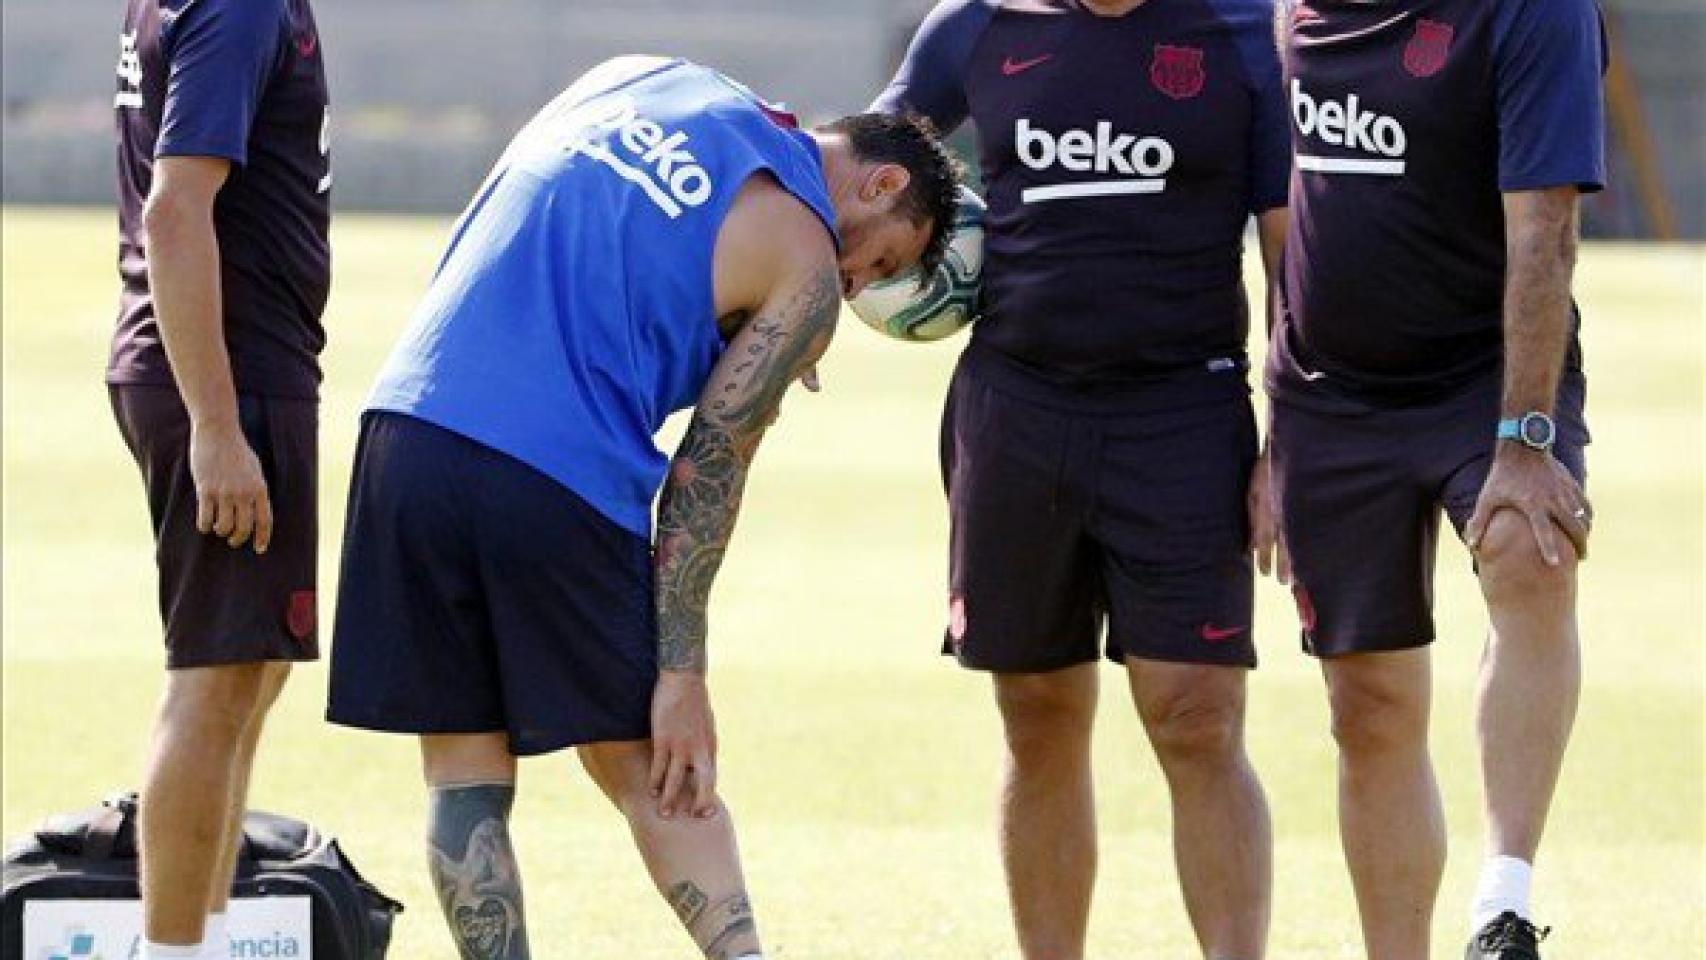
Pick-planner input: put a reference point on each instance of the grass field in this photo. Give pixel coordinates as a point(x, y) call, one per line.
point(861, 767)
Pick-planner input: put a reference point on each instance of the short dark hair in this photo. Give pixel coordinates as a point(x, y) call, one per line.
point(910, 140)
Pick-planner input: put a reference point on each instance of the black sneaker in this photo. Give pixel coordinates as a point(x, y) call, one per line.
point(1507, 937)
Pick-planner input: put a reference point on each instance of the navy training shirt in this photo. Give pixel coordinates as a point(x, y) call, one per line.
point(245, 81)
point(1410, 119)
point(1123, 157)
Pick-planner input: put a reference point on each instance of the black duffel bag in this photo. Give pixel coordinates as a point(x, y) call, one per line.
point(91, 855)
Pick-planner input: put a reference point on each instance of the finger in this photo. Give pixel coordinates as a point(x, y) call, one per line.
point(809, 379)
point(206, 509)
point(660, 766)
point(1476, 528)
point(673, 783)
point(1545, 534)
point(226, 517)
point(263, 523)
point(704, 787)
point(1574, 522)
point(244, 524)
point(1282, 562)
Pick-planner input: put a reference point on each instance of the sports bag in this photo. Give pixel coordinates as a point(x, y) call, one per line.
point(90, 855)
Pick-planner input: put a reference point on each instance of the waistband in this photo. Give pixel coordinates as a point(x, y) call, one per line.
point(1215, 380)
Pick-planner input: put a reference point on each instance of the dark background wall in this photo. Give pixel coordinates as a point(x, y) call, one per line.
point(426, 92)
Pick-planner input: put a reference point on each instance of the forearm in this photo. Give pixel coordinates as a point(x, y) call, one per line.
point(696, 517)
point(1271, 228)
point(183, 275)
point(1540, 259)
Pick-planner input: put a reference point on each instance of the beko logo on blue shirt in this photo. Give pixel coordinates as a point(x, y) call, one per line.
point(1138, 164)
point(1347, 124)
point(642, 152)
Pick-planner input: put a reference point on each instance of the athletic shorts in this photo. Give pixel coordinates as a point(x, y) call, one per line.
point(1071, 514)
point(1360, 501)
point(223, 605)
point(478, 595)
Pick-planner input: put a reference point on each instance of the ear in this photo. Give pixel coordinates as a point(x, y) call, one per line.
point(885, 180)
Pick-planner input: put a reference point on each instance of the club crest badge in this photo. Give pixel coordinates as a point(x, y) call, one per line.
point(300, 615)
point(1427, 50)
point(1177, 71)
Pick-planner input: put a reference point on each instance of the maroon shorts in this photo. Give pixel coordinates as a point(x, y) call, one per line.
point(1074, 514)
point(1360, 501)
point(223, 605)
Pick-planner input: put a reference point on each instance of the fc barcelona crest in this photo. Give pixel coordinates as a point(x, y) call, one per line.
point(1425, 54)
point(1177, 71)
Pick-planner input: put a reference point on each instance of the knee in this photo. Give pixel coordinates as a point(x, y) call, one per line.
point(1373, 717)
point(1193, 726)
point(1512, 569)
point(1042, 715)
point(622, 772)
point(212, 704)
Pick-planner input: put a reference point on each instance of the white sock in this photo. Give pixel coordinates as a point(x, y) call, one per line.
point(1504, 886)
point(750, 956)
point(215, 942)
point(167, 951)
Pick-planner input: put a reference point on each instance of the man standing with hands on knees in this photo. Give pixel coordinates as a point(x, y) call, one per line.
point(223, 183)
point(1426, 359)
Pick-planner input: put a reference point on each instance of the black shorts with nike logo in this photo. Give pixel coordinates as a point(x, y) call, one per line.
point(1115, 510)
point(1360, 491)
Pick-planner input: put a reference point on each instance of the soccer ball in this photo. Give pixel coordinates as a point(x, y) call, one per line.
point(947, 302)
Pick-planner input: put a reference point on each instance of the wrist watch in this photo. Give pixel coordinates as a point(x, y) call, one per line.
point(1534, 430)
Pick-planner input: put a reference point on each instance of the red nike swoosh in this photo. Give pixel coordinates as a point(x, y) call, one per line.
point(307, 45)
point(1214, 634)
point(1010, 66)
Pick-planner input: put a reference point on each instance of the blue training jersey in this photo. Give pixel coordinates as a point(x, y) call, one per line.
point(573, 311)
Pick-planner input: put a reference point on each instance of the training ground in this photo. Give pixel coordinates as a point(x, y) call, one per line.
point(861, 767)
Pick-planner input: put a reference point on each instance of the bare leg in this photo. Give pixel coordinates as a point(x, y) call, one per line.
point(186, 794)
point(273, 677)
point(1390, 816)
point(1222, 838)
point(694, 861)
point(1531, 678)
point(472, 778)
point(1047, 808)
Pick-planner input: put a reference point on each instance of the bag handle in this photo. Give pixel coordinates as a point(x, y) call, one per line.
point(103, 833)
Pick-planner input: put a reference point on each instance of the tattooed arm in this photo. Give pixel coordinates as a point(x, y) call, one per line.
point(791, 321)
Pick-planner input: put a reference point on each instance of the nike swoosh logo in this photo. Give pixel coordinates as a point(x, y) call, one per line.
point(1314, 375)
point(1010, 66)
point(1214, 634)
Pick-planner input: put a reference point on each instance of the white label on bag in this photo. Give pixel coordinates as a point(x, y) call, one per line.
point(259, 927)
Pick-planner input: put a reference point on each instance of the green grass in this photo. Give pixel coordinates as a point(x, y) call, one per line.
point(861, 767)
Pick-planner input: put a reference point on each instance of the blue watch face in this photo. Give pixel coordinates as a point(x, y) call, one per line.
point(1537, 430)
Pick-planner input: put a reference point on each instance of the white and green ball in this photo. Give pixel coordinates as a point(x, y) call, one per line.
point(903, 308)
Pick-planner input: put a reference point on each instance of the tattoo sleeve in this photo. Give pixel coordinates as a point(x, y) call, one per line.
point(474, 870)
point(701, 496)
point(1540, 255)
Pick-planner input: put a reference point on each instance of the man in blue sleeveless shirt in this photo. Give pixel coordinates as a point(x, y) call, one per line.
point(656, 237)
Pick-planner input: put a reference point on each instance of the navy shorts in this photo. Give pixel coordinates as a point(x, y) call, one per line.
point(1075, 514)
point(478, 595)
point(223, 605)
point(1360, 497)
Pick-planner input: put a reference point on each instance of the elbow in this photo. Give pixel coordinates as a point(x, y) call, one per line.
point(167, 215)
